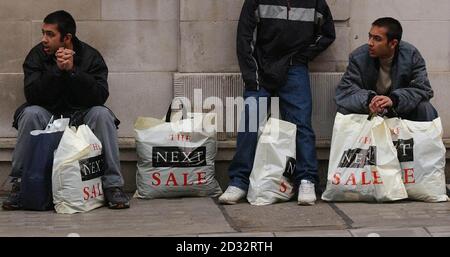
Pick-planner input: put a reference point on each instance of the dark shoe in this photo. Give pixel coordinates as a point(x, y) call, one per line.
point(12, 203)
point(116, 198)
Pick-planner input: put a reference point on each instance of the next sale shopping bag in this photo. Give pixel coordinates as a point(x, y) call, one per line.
point(78, 168)
point(363, 161)
point(421, 153)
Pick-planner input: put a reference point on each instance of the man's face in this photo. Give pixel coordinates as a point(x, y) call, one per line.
point(51, 38)
point(379, 46)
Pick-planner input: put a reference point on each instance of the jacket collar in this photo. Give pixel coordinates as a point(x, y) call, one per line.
point(78, 48)
point(374, 70)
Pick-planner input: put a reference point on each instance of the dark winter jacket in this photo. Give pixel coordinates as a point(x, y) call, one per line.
point(272, 34)
point(410, 84)
point(62, 92)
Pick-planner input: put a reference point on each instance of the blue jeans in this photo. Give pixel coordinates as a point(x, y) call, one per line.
point(295, 107)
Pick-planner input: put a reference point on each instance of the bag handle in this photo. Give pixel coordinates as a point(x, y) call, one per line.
point(50, 122)
point(169, 111)
point(390, 113)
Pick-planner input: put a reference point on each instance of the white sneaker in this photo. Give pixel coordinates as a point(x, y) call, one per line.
point(306, 193)
point(232, 195)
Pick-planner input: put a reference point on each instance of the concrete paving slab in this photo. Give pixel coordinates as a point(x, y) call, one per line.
point(282, 217)
point(399, 214)
point(254, 234)
point(390, 232)
point(447, 234)
point(315, 233)
point(160, 217)
point(191, 235)
point(439, 231)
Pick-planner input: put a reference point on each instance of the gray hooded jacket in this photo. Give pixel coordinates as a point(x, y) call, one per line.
point(410, 84)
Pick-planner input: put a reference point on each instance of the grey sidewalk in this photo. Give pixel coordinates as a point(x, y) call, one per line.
point(204, 217)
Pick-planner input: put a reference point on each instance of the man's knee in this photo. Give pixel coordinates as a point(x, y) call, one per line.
point(33, 112)
point(424, 111)
point(100, 113)
point(343, 111)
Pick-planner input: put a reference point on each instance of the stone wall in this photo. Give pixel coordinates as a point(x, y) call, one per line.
point(208, 35)
point(145, 41)
point(139, 40)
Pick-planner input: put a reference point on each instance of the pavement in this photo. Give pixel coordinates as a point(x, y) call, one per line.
point(204, 217)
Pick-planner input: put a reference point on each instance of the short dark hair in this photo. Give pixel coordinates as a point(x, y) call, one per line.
point(64, 21)
point(394, 28)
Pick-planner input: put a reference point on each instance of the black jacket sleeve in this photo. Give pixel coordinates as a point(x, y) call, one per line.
point(245, 43)
point(90, 88)
point(42, 87)
point(327, 31)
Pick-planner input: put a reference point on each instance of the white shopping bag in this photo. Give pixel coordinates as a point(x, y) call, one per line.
point(363, 162)
point(421, 153)
point(175, 158)
point(272, 176)
point(77, 171)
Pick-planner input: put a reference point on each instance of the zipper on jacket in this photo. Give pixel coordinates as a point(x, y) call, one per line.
point(288, 8)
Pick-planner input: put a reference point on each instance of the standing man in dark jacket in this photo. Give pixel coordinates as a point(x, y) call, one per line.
point(64, 76)
point(276, 40)
point(387, 76)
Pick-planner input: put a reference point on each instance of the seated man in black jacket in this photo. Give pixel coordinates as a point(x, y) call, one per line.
point(64, 76)
point(387, 76)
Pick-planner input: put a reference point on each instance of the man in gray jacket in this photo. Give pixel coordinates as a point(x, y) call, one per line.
point(387, 76)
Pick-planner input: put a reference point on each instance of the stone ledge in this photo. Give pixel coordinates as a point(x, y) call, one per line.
point(129, 143)
point(225, 149)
